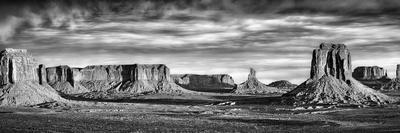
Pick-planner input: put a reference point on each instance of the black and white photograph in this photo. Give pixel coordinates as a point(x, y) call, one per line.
point(199, 66)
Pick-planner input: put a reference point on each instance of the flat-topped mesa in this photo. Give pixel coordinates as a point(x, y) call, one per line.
point(205, 83)
point(331, 60)
point(22, 80)
point(135, 78)
point(369, 73)
point(331, 81)
point(253, 86)
point(17, 65)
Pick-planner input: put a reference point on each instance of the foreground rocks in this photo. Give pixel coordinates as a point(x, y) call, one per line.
point(283, 85)
point(331, 81)
point(132, 79)
point(22, 80)
point(205, 83)
point(253, 86)
point(372, 76)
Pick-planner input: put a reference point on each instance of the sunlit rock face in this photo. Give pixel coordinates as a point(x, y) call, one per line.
point(369, 73)
point(253, 86)
point(205, 83)
point(22, 81)
point(372, 76)
point(331, 81)
point(135, 79)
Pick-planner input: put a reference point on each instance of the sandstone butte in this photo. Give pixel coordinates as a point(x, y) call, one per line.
point(22, 80)
point(331, 81)
point(253, 86)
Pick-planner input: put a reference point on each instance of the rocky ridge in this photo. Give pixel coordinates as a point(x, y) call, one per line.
point(283, 85)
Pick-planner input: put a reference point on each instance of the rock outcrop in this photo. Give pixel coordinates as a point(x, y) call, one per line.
point(283, 85)
point(22, 81)
point(253, 86)
point(398, 72)
point(331, 81)
point(205, 83)
point(369, 73)
point(133, 79)
point(372, 76)
point(394, 84)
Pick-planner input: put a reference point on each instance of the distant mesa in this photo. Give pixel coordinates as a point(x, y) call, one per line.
point(253, 86)
point(394, 84)
point(331, 81)
point(369, 73)
point(22, 80)
point(132, 79)
point(372, 76)
point(283, 85)
point(221, 83)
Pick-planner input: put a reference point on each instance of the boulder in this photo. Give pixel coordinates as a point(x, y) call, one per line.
point(133, 79)
point(283, 85)
point(253, 86)
point(205, 83)
point(331, 81)
point(22, 81)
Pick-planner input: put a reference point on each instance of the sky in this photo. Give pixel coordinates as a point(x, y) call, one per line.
point(276, 37)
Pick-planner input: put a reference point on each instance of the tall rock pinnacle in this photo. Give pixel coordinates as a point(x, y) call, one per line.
point(253, 86)
point(331, 81)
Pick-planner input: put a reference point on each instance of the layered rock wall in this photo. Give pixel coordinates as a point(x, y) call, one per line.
point(135, 78)
point(23, 80)
point(369, 73)
point(206, 83)
point(333, 60)
point(17, 65)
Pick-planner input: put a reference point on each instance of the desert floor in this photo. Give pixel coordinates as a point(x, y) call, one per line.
point(198, 113)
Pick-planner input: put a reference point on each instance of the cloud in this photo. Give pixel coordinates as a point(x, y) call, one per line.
point(209, 37)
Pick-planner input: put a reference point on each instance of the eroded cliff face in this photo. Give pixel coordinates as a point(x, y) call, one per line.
point(22, 80)
point(205, 83)
point(135, 79)
point(372, 76)
point(253, 86)
point(331, 81)
point(369, 73)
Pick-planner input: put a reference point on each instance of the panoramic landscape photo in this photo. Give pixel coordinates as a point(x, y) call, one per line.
point(199, 66)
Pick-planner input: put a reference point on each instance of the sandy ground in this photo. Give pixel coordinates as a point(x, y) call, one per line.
point(162, 113)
